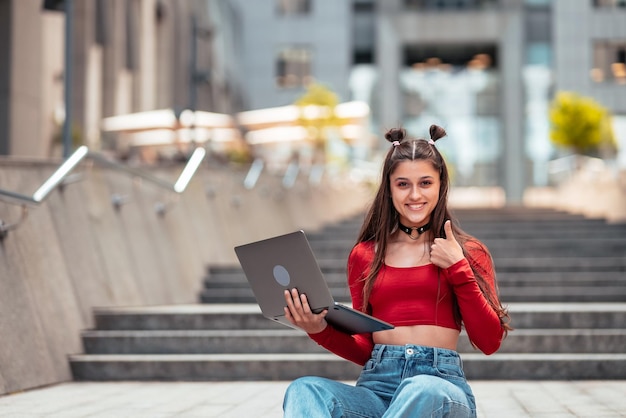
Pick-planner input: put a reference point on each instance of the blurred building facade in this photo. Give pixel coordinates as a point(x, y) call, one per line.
point(486, 70)
point(127, 56)
point(288, 44)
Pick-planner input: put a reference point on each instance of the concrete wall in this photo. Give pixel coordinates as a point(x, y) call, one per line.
point(75, 251)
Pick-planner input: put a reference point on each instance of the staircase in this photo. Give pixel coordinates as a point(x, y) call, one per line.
point(563, 277)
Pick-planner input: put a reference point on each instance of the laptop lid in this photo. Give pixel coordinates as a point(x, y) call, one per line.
point(283, 262)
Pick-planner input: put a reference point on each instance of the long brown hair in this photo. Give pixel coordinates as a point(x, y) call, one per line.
point(381, 220)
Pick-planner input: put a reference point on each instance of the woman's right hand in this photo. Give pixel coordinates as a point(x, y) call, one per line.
point(299, 313)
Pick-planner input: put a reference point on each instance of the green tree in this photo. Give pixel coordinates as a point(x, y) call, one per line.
point(317, 115)
point(317, 112)
point(581, 124)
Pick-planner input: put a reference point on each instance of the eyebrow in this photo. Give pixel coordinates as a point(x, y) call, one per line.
point(406, 178)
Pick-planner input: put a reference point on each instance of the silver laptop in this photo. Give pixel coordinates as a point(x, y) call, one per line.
point(287, 261)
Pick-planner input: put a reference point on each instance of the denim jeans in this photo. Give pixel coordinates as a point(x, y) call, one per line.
point(398, 381)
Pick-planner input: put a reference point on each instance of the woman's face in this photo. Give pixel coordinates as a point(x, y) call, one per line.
point(414, 191)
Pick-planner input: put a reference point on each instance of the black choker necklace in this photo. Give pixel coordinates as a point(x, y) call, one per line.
point(409, 231)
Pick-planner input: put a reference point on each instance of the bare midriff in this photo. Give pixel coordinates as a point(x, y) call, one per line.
point(426, 335)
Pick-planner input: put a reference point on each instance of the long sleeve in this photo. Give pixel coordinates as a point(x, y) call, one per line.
point(481, 321)
point(356, 348)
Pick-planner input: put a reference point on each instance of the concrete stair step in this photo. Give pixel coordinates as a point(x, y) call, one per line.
point(260, 341)
point(570, 340)
point(498, 218)
point(209, 367)
point(184, 317)
point(327, 265)
point(560, 264)
point(237, 279)
point(502, 230)
point(334, 269)
point(248, 316)
point(568, 315)
point(585, 245)
point(509, 248)
point(548, 240)
point(237, 341)
point(514, 292)
point(229, 367)
point(563, 294)
point(494, 215)
point(515, 213)
point(545, 366)
point(232, 295)
point(565, 232)
point(561, 278)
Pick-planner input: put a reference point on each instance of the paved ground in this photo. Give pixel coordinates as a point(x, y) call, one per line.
point(501, 399)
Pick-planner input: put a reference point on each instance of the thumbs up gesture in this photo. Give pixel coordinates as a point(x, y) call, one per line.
point(445, 252)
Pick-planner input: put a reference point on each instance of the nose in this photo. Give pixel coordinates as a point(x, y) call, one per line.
point(415, 193)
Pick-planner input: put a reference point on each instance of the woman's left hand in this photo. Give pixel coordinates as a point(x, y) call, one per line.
point(445, 252)
point(299, 313)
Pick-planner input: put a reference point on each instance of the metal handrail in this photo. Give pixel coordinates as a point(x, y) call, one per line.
point(291, 174)
point(42, 192)
point(61, 174)
point(178, 187)
point(53, 181)
point(292, 171)
point(254, 173)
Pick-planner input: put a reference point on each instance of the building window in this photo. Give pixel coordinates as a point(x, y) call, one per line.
point(293, 7)
point(450, 4)
point(363, 31)
point(102, 23)
point(132, 38)
point(364, 6)
point(609, 3)
point(293, 67)
point(609, 62)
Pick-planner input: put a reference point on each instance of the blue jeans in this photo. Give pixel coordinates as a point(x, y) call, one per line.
point(398, 381)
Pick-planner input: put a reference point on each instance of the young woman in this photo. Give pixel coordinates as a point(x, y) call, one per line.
point(414, 267)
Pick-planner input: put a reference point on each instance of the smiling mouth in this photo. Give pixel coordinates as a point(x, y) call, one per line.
point(416, 207)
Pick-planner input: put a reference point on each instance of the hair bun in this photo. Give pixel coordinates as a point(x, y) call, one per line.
point(436, 132)
point(395, 134)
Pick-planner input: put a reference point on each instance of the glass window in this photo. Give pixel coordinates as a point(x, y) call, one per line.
point(461, 91)
point(132, 47)
point(539, 53)
point(102, 23)
point(538, 3)
point(293, 7)
point(293, 67)
point(609, 62)
point(609, 3)
point(450, 4)
point(364, 6)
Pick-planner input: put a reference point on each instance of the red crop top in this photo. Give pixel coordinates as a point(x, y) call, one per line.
point(408, 296)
